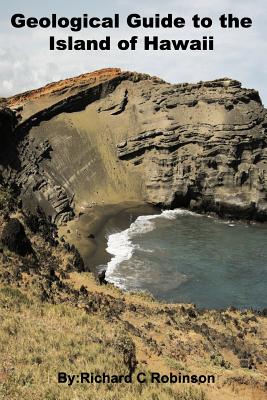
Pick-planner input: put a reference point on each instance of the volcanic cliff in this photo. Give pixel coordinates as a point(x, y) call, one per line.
point(113, 136)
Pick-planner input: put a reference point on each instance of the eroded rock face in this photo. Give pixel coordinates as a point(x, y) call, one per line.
point(38, 187)
point(211, 156)
point(115, 136)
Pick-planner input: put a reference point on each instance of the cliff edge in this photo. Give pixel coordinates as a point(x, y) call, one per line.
point(113, 136)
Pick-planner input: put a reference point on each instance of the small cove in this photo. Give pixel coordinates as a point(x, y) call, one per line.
point(185, 257)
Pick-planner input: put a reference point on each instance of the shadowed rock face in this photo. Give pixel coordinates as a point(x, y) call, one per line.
point(14, 237)
point(8, 149)
point(115, 136)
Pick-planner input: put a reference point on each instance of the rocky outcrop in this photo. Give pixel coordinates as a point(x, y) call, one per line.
point(8, 148)
point(38, 188)
point(14, 237)
point(211, 156)
point(115, 136)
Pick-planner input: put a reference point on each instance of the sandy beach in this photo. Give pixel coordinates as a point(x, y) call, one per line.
point(89, 231)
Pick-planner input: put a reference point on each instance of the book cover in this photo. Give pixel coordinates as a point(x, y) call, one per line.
point(133, 203)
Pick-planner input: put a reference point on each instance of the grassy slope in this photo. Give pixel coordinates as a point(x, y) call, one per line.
point(38, 340)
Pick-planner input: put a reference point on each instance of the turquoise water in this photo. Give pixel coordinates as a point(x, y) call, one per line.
point(183, 257)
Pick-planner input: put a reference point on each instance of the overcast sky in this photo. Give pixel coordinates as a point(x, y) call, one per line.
point(26, 61)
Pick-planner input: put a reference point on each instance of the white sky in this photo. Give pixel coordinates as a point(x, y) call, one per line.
point(26, 61)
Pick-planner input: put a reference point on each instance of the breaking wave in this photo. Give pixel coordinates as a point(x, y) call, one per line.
point(121, 246)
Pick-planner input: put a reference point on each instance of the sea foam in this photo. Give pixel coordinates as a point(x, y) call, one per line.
point(120, 244)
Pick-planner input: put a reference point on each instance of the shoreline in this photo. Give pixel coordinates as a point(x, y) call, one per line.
point(88, 232)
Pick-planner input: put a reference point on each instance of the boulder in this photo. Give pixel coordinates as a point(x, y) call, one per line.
point(14, 237)
point(102, 278)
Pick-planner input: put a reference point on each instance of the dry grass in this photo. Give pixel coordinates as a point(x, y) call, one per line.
point(74, 330)
point(38, 340)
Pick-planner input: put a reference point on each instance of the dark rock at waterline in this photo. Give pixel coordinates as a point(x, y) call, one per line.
point(102, 278)
point(14, 237)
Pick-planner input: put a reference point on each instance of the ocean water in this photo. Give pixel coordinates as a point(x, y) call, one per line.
point(180, 256)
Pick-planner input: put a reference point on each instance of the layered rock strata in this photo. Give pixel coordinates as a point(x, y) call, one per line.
point(115, 136)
